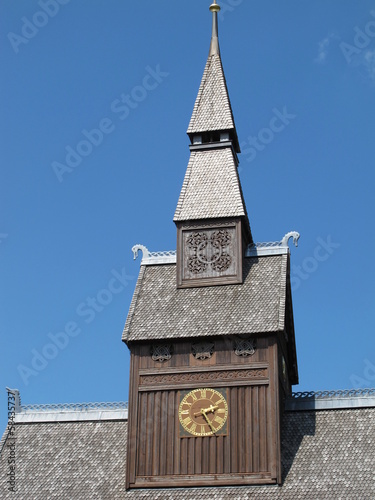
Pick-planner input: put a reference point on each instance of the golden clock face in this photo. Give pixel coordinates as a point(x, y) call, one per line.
point(203, 412)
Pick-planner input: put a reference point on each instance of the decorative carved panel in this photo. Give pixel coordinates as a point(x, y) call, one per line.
point(161, 352)
point(244, 347)
point(202, 350)
point(209, 253)
point(208, 250)
point(206, 377)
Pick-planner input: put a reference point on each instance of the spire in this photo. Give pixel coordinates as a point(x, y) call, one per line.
point(212, 113)
point(214, 48)
point(211, 206)
point(211, 187)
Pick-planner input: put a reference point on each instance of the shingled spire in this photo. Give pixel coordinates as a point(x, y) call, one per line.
point(212, 110)
point(211, 194)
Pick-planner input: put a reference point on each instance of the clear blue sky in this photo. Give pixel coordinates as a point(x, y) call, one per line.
point(66, 71)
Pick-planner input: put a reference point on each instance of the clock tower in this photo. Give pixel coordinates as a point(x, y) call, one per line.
point(210, 327)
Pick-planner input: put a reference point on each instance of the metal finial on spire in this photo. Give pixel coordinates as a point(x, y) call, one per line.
point(214, 48)
point(214, 7)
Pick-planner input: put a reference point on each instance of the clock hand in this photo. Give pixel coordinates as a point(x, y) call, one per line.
point(211, 409)
point(208, 421)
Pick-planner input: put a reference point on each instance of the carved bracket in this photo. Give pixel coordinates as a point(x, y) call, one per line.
point(202, 350)
point(244, 347)
point(161, 352)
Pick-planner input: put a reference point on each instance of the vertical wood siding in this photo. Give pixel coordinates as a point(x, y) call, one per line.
point(161, 450)
point(251, 447)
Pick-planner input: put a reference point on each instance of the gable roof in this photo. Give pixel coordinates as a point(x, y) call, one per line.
point(161, 311)
point(325, 454)
point(211, 188)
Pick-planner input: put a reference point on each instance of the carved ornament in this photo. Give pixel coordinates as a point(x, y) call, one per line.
point(215, 224)
point(161, 352)
point(292, 234)
point(244, 347)
point(211, 376)
point(202, 350)
point(209, 251)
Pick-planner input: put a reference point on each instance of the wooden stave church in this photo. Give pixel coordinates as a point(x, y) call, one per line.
point(216, 316)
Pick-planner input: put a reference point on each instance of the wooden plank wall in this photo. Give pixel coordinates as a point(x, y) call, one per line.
point(250, 448)
point(182, 356)
point(245, 449)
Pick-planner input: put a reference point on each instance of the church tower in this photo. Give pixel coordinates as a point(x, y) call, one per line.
point(210, 327)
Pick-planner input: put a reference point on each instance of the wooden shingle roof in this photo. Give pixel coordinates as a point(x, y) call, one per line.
point(212, 108)
point(161, 311)
point(325, 455)
point(211, 188)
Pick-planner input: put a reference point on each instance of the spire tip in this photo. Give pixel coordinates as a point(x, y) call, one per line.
point(214, 48)
point(214, 7)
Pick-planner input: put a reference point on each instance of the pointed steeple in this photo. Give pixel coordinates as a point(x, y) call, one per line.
point(211, 187)
point(211, 218)
point(212, 111)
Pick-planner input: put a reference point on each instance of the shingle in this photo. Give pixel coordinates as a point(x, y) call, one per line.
point(212, 109)
point(77, 460)
point(325, 455)
point(211, 187)
point(159, 310)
